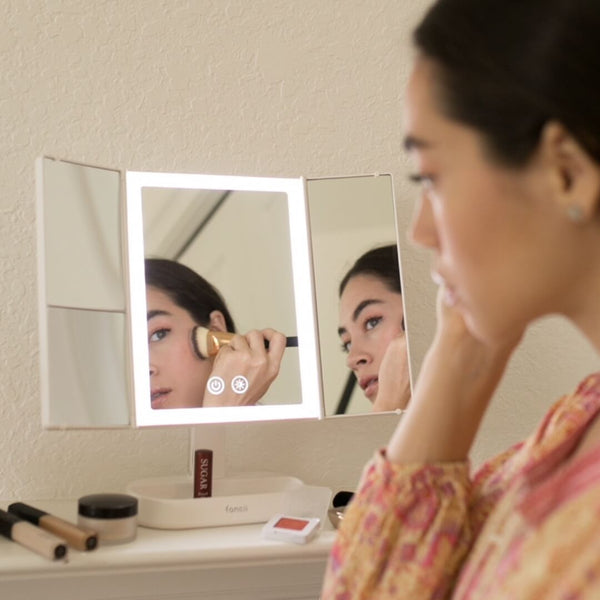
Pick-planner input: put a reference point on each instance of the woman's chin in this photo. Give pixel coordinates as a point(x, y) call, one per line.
point(495, 335)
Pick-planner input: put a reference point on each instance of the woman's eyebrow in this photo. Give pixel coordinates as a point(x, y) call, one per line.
point(361, 306)
point(157, 313)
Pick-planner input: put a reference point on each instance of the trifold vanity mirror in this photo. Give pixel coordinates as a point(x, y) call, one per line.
point(275, 248)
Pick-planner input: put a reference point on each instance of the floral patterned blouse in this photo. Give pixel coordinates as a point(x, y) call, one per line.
point(526, 526)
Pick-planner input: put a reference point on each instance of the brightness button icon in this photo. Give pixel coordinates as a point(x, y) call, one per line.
point(239, 384)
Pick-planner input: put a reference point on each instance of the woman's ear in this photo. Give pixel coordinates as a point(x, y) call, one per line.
point(575, 175)
point(217, 321)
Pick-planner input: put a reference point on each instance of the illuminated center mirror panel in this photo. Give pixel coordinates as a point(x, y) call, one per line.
point(245, 238)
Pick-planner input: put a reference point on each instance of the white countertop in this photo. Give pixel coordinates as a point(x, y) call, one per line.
point(154, 549)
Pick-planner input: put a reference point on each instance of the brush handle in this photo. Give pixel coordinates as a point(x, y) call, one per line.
point(290, 342)
point(207, 343)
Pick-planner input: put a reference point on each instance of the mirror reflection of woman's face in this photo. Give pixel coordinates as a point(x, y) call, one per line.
point(371, 316)
point(177, 376)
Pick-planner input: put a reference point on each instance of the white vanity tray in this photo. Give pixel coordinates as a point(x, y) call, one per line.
point(168, 502)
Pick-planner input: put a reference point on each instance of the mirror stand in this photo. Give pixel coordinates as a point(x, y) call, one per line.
point(169, 503)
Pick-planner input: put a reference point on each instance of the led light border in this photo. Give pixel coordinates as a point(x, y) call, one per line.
point(311, 406)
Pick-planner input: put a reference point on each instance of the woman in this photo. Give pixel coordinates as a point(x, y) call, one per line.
point(503, 123)
point(371, 328)
point(178, 299)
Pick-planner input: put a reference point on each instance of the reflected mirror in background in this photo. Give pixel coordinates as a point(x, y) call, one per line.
point(82, 311)
point(348, 217)
point(248, 237)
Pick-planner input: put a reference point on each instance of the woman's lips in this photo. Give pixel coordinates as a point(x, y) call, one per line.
point(159, 397)
point(450, 297)
point(369, 385)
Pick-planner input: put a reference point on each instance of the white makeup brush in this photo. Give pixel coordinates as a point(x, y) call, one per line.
point(207, 343)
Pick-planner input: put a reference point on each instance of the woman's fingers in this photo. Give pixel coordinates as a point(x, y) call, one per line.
point(394, 377)
point(247, 366)
point(276, 341)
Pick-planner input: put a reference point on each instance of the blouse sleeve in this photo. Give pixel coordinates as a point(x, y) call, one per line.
point(408, 529)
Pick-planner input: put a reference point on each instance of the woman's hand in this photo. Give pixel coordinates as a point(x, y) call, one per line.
point(246, 367)
point(394, 377)
point(470, 358)
point(457, 380)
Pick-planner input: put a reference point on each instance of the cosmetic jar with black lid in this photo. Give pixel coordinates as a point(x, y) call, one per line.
point(113, 516)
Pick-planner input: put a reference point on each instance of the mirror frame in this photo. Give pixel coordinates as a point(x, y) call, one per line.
point(376, 187)
point(131, 258)
point(311, 406)
point(51, 339)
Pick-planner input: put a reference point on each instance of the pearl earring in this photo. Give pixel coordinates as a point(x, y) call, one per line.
point(575, 213)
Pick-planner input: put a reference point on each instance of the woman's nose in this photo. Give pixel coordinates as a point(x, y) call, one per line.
point(153, 370)
point(422, 229)
point(357, 356)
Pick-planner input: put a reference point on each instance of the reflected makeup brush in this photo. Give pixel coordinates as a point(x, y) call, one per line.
point(207, 343)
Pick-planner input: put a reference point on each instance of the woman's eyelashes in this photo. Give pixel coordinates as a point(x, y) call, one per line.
point(158, 334)
point(372, 322)
point(367, 325)
point(425, 180)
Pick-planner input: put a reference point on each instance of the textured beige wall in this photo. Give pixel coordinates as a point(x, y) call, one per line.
point(244, 87)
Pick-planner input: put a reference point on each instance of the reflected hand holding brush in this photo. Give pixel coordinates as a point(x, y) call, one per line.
point(244, 365)
point(207, 343)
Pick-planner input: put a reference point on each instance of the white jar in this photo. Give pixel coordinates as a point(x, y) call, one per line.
point(113, 516)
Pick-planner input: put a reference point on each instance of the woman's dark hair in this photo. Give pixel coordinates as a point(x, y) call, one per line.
point(187, 289)
point(379, 262)
point(507, 67)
